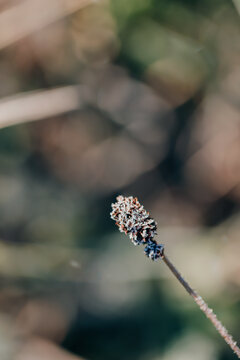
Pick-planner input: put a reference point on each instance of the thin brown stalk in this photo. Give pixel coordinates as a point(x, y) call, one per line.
point(204, 307)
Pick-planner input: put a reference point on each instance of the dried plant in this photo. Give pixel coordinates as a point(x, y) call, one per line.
point(131, 218)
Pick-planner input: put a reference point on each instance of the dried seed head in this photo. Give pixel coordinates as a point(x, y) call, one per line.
point(134, 220)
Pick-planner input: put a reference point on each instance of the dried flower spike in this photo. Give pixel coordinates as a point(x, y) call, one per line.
point(134, 220)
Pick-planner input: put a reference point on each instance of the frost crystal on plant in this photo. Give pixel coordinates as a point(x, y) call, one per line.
point(131, 218)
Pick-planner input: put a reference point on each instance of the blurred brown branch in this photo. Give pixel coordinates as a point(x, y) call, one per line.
point(31, 15)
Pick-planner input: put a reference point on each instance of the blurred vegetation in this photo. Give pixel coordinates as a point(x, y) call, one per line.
point(138, 98)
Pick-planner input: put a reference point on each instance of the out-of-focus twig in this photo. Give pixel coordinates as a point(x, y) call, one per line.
point(40, 104)
point(29, 16)
point(237, 5)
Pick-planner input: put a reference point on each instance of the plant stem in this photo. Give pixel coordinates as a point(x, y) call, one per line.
point(204, 307)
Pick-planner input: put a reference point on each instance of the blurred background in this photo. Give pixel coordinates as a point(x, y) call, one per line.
point(101, 98)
